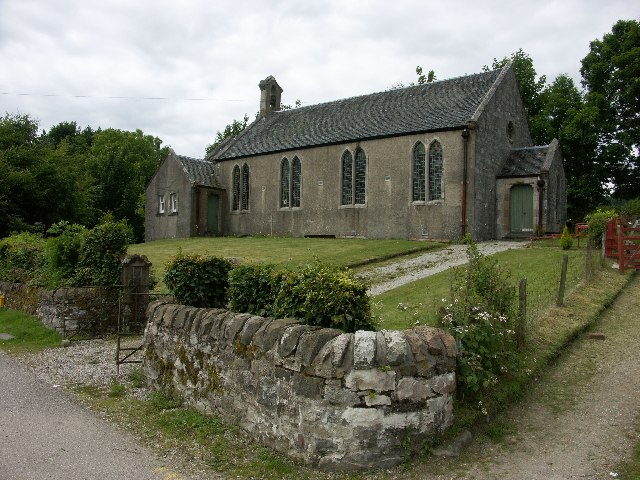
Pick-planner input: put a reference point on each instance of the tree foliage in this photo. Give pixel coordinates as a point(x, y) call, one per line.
point(72, 174)
point(611, 76)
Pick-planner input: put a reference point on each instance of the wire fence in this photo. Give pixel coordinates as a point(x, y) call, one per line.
point(581, 265)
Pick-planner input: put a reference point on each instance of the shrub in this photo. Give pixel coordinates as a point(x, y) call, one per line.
point(22, 258)
point(100, 255)
point(597, 222)
point(481, 316)
point(63, 250)
point(198, 281)
point(253, 289)
point(631, 208)
point(326, 296)
point(566, 240)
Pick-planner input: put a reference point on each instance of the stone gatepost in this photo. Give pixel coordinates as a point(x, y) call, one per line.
point(135, 277)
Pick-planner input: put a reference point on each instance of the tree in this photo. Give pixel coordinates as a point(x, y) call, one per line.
point(531, 88)
point(232, 130)
point(611, 76)
point(421, 80)
point(122, 163)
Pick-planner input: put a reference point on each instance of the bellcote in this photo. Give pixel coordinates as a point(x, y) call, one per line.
point(270, 93)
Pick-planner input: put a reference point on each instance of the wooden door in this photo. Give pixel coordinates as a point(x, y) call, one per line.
point(521, 209)
point(213, 214)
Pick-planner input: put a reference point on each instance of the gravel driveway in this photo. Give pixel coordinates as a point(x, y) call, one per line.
point(407, 271)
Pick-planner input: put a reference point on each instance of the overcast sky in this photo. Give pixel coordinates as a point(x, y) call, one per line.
point(182, 70)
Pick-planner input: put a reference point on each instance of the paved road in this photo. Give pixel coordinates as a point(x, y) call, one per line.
point(45, 435)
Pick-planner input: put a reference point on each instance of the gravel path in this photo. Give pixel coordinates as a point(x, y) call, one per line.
point(427, 264)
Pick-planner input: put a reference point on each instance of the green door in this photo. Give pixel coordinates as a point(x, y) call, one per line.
point(213, 214)
point(521, 209)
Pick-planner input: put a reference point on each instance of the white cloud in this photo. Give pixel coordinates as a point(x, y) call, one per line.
point(219, 51)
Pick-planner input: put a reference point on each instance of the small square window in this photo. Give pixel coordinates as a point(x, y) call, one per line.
point(160, 203)
point(173, 202)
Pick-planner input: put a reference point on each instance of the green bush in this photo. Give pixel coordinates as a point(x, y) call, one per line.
point(22, 258)
point(198, 281)
point(566, 240)
point(597, 222)
point(253, 289)
point(326, 296)
point(481, 317)
point(63, 249)
point(100, 255)
point(630, 208)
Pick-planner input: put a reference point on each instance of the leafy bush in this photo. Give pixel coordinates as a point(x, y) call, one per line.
point(481, 316)
point(198, 281)
point(104, 246)
point(597, 222)
point(253, 289)
point(63, 250)
point(22, 259)
point(566, 240)
point(325, 296)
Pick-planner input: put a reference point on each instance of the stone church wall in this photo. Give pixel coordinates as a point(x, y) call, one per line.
point(334, 400)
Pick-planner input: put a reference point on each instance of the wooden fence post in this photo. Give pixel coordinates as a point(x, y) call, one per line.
point(522, 312)
point(563, 279)
point(588, 259)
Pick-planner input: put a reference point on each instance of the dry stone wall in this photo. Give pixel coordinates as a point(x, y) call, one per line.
point(91, 311)
point(331, 399)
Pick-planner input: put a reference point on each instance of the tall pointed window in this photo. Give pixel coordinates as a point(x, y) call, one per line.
point(435, 171)
point(354, 178)
point(236, 188)
point(296, 182)
point(244, 194)
point(418, 173)
point(360, 186)
point(347, 178)
point(284, 183)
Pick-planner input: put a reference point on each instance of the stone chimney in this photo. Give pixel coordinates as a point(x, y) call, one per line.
point(270, 93)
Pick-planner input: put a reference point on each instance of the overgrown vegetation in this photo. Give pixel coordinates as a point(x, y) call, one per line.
point(481, 317)
point(69, 255)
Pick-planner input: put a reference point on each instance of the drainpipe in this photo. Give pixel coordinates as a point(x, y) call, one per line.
point(465, 145)
point(540, 184)
point(197, 201)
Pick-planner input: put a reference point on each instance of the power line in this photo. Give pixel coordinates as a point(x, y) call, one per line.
point(120, 97)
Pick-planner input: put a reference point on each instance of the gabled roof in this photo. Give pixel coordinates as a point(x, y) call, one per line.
point(438, 106)
point(198, 172)
point(530, 161)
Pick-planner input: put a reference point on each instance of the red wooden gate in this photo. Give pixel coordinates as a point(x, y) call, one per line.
point(622, 241)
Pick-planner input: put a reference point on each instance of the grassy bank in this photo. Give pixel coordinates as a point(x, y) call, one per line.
point(29, 334)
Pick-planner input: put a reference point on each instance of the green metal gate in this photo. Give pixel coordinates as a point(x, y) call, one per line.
point(521, 209)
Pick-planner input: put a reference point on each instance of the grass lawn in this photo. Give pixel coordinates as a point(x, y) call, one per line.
point(280, 250)
point(29, 333)
point(419, 301)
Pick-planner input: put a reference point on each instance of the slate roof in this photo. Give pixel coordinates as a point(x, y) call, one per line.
point(525, 162)
point(437, 106)
point(199, 172)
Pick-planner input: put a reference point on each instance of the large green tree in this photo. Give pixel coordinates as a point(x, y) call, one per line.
point(40, 184)
point(611, 77)
point(122, 163)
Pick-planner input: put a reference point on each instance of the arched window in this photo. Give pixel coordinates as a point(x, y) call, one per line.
point(296, 182)
point(236, 188)
point(435, 171)
point(347, 178)
point(244, 195)
point(284, 183)
point(361, 178)
point(418, 173)
point(354, 178)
